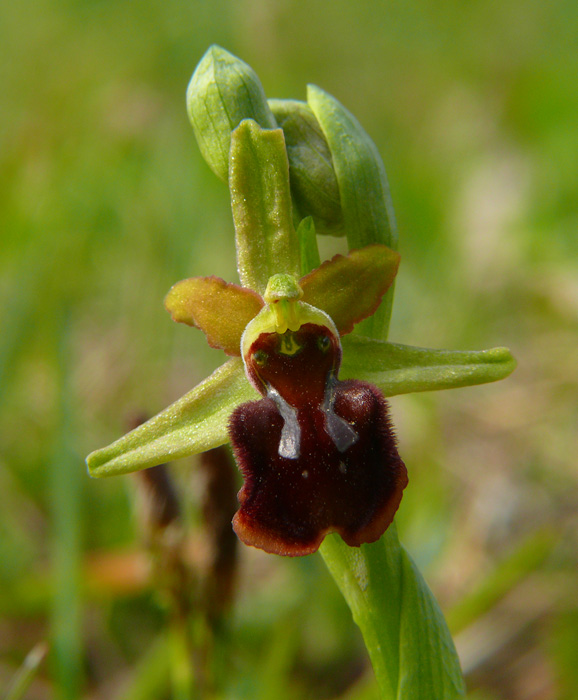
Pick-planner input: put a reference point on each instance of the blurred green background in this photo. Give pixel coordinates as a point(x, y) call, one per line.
point(105, 202)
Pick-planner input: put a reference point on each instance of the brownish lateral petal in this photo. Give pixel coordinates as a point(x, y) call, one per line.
point(350, 287)
point(220, 309)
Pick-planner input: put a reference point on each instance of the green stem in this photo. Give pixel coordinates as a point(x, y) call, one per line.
point(357, 574)
point(403, 628)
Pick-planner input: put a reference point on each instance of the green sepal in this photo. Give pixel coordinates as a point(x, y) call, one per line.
point(402, 369)
point(196, 422)
point(349, 288)
point(220, 309)
point(313, 182)
point(222, 92)
point(408, 641)
point(262, 211)
point(366, 204)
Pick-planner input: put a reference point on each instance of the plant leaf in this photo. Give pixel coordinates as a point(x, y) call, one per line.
point(408, 641)
point(429, 663)
point(401, 369)
point(196, 422)
point(363, 188)
point(25, 675)
point(366, 206)
point(262, 210)
point(221, 310)
point(350, 288)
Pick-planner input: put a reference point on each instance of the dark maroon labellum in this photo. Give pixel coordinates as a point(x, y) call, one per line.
point(318, 455)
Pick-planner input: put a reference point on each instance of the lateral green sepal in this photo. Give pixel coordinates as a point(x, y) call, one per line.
point(402, 369)
point(196, 422)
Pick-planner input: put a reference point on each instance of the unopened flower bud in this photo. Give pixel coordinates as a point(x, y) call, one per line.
point(313, 181)
point(223, 91)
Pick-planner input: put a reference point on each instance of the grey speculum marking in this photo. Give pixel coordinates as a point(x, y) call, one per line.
point(338, 429)
point(290, 443)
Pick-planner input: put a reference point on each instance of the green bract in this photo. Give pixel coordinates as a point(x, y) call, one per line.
point(319, 171)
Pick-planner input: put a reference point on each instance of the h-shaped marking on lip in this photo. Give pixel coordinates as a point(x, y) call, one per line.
point(339, 430)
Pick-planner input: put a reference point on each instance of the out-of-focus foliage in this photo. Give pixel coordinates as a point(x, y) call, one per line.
point(105, 202)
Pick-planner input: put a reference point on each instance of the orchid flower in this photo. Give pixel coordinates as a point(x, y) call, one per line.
point(317, 454)
point(302, 396)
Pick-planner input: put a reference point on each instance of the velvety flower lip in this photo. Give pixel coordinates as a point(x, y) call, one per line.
point(317, 455)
